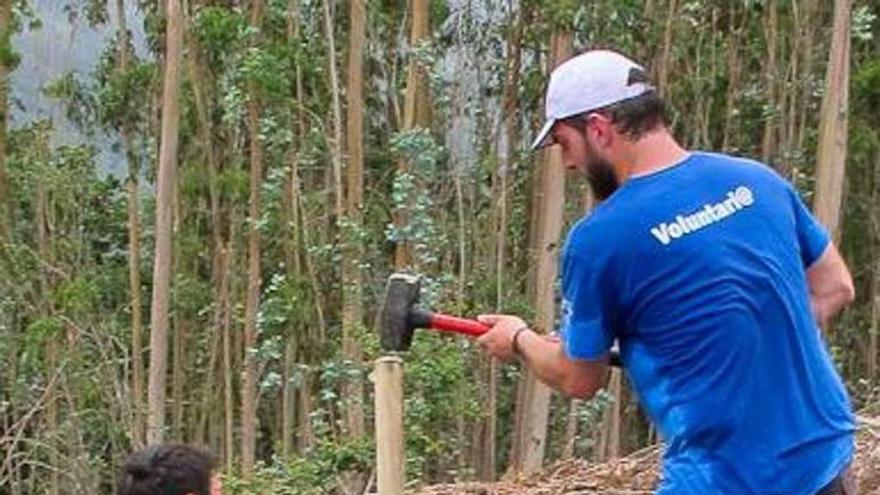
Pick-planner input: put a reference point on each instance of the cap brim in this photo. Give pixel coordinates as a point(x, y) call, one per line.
point(542, 141)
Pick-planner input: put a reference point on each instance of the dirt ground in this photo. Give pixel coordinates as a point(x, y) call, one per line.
point(637, 473)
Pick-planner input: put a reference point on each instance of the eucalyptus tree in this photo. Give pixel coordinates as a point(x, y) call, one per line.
point(831, 162)
point(164, 217)
point(7, 60)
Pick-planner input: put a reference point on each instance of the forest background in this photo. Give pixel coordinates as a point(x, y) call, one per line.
point(198, 215)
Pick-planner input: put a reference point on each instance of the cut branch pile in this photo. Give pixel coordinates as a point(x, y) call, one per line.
point(637, 473)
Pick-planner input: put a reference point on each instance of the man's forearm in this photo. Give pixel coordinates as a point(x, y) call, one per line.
point(546, 358)
point(538, 352)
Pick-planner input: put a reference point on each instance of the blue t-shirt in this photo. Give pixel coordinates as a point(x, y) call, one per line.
point(699, 272)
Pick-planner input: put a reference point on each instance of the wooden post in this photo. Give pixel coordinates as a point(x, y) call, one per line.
point(388, 377)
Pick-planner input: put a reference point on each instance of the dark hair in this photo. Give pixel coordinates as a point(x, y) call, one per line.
point(167, 470)
point(632, 117)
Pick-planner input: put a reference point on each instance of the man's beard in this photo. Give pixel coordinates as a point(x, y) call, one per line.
point(600, 175)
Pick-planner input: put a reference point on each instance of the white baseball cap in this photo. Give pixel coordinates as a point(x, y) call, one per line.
point(590, 81)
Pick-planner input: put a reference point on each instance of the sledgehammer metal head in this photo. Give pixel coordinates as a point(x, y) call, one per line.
point(396, 329)
point(401, 316)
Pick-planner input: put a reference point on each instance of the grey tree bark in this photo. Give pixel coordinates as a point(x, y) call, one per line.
point(164, 218)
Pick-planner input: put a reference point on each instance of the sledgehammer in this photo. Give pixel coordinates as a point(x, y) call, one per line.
point(401, 317)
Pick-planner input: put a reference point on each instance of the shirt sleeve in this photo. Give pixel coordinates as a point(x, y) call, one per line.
point(812, 236)
point(588, 311)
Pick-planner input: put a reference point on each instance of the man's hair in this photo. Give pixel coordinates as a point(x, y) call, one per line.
point(633, 117)
point(167, 470)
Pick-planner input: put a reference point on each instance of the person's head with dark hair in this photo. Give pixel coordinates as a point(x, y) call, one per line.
point(633, 117)
point(169, 469)
point(608, 119)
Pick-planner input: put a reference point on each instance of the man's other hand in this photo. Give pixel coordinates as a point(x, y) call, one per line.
point(498, 341)
point(831, 285)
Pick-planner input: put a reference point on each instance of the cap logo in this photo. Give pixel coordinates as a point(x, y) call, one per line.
point(636, 75)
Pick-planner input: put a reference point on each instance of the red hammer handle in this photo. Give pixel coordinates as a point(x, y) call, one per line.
point(454, 324)
point(446, 323)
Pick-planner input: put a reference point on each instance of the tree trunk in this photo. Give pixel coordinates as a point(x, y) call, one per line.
point(298, 340)
point(533, 404)
point(249, 390)
point(134, 250)
point(306, 437)
point(666, 56)
point(164, 211)
point(53, 435)
point(228, 358)
point(134, 277)
point(771, 75)
point(178, 325)
point(874, 332)
point(416, 110)
point(350, 417)
point(336, 143)
point(734, 66)
point(486, 468)
point(352, 306)
point(809, 14)
point(5, 37)
point(571, 430)
point(288, 400)
point(788, 90)
point(831, 162)
point(300, 400)
point(219, 273)
point(608, 446)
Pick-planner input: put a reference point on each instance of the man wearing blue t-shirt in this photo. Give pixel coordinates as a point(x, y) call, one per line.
point(712, 277)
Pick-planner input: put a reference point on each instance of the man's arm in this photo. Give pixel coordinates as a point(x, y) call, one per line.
point(831, 285)
point(574, 377)
point(543, 356)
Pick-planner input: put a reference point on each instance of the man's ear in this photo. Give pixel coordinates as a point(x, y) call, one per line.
point(597, 131)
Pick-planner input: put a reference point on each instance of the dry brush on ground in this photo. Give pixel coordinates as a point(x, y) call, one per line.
point(638, 472)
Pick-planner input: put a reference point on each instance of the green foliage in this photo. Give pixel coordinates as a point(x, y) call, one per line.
point(562, 14)
point(421, 230)
point(268, 68)
point(233, 182)
point(316, 473)
point(23, 16)
point(95, 11)
point(8, 56)
point(439, 395)
point(111, 98)
point(78, 96)
point(228, 41)
point(866, 92)
point(863, 20)
point(220, 32)
point(78, 297)
point(286, 302)
point(154, 25)
point(40, 331)
point(124, 95)
point(589, 417)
